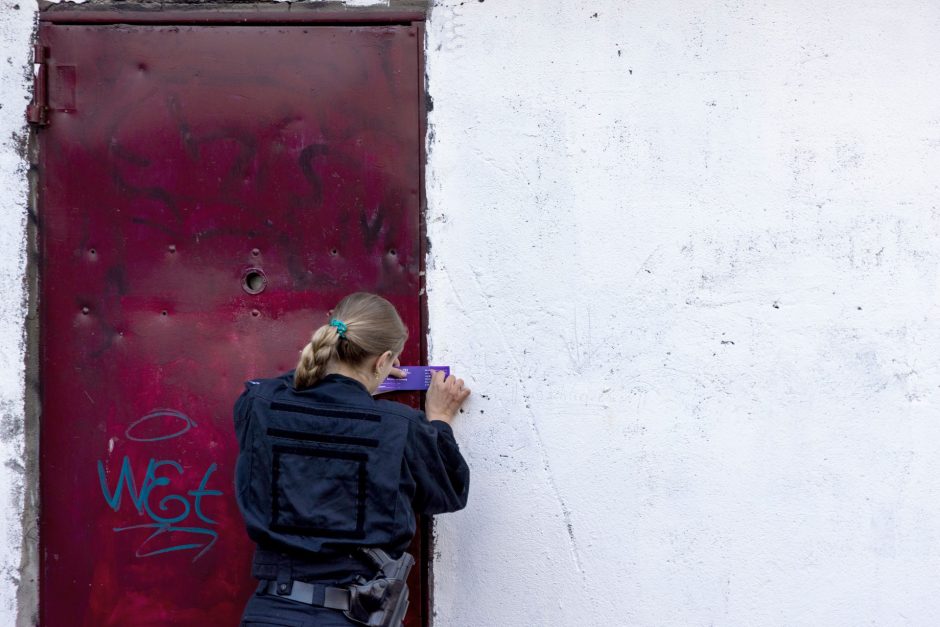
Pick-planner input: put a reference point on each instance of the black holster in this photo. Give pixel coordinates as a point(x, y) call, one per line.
point(383, 600)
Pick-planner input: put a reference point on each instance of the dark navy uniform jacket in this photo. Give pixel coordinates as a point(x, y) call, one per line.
point(329, 468)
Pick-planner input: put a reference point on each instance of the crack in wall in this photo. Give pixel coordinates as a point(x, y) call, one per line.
point(543, 454)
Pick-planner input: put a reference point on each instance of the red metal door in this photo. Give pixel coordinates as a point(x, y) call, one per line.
point(207, 193)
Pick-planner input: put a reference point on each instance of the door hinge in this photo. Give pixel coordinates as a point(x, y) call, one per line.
point(38, 110)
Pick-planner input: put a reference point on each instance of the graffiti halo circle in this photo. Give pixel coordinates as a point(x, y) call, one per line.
point(187, 423)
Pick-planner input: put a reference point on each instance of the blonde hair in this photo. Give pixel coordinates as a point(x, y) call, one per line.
point(373, 326)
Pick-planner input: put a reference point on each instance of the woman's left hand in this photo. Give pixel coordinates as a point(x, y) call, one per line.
point(396, 372)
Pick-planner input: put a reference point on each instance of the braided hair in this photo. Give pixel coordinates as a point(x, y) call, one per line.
point(363, 325)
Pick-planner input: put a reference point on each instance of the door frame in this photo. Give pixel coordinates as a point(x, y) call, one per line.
point(273, 14)
point(258, 14)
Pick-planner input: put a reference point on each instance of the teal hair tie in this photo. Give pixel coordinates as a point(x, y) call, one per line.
point(340, 327)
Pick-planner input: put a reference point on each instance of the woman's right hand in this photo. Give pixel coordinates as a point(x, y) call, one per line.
point(445, 396)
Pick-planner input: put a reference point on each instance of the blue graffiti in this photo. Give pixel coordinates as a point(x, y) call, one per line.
point(188, 423)
point(161, 528)
point(163, 519)
point(172, 509)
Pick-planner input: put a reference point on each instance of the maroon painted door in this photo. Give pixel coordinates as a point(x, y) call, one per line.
point(207, 194)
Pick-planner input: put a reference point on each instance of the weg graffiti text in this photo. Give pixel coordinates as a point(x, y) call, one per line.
point(169, 515)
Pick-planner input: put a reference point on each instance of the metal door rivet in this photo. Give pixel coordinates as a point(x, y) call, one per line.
point(93, 252)
point(85, 310)
point(163, 313)
point(334, 252)
point(255, 252)
point(255, 313)
point(392, 251)
point(172, 248)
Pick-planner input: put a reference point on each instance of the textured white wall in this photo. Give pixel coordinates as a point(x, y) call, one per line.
point(16, 27)
point(686, 254)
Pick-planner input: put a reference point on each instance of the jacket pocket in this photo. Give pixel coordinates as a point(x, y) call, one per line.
point(318, 491)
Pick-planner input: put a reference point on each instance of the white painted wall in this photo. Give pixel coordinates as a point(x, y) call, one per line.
point(686, 255)
point(16, 27)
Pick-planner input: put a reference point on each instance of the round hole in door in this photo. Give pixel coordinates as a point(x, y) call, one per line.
point(254, 281)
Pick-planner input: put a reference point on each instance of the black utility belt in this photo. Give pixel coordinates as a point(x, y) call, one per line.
point(379, 602)
point(309, 593)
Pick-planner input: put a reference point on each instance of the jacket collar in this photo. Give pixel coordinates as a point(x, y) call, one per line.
point(341, 379)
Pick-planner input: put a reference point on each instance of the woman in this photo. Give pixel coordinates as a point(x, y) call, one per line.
point(326, 470)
